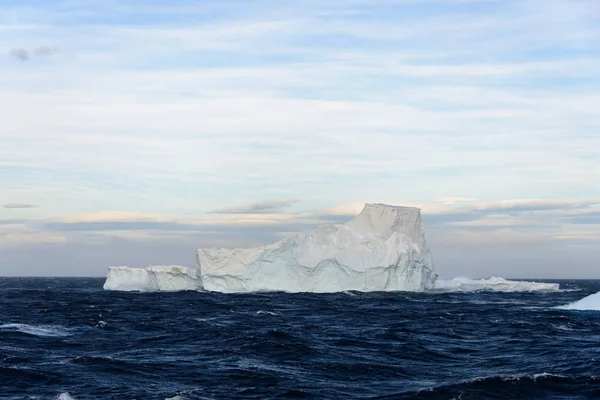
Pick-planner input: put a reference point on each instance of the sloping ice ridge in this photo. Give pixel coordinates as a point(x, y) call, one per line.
point(589, 303)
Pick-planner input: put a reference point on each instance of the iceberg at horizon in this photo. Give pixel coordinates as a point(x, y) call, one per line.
point(495, 284)
point(381, 249)
point(155, 278)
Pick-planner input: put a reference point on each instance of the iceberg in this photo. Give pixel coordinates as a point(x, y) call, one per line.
point(169, 278)
point(381, 249)
point(493, 284)
point(589, 303)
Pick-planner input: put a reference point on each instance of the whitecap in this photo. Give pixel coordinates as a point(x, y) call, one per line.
point(100, 324)
point(64, 396)
point(266, 312)
point(37, 330)
point(209, 321)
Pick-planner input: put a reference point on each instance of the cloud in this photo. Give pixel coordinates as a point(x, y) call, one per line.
point(504, 236)
point(117, 226)
point(25, 55)
point(111, 216)
point(529, 205)
point(19, 205)
point(20, 54)
point(45, 50)
point(455, 200)
point(30, 238)
point(274, 206)
point(13, 221)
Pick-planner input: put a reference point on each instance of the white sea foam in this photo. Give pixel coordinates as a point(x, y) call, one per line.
point(266, 312)
point(37, 330)
point(589, 303)
point(64, 396)
point(494, 284)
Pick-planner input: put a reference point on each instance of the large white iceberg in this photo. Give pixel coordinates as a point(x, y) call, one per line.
point(383, 248)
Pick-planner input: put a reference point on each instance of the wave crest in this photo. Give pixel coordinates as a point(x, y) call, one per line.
point(37, 330)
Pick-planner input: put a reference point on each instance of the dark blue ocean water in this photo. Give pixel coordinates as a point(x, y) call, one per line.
point(61, 336)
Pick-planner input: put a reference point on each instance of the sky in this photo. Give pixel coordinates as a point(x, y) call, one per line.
point(133, 132)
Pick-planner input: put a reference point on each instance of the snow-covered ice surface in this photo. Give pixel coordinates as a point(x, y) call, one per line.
point(152, 279)
point(589, 303)
point(495, 284)
point(381, 249)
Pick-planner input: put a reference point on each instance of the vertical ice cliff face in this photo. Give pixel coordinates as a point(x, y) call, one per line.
point(383, 248)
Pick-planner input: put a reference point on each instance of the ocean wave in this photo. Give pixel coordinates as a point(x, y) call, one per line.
point(531, 386)
point(37, 330)
point(266, 312)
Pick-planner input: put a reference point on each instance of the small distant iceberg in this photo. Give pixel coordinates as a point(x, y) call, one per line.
point(589, 303)
point(156, 278)
point(493, 284)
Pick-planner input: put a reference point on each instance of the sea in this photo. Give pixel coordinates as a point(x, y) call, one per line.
point(67, 338)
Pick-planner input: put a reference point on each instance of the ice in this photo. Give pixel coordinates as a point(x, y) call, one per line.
point(589, 303)
point(496, 284)
point(382, 249)
point(154, 278)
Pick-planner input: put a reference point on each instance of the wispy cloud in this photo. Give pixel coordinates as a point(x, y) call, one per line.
point(274, 206)
point(45, 50)
point(19, 205)
point(25, 55)
point(20, 54)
